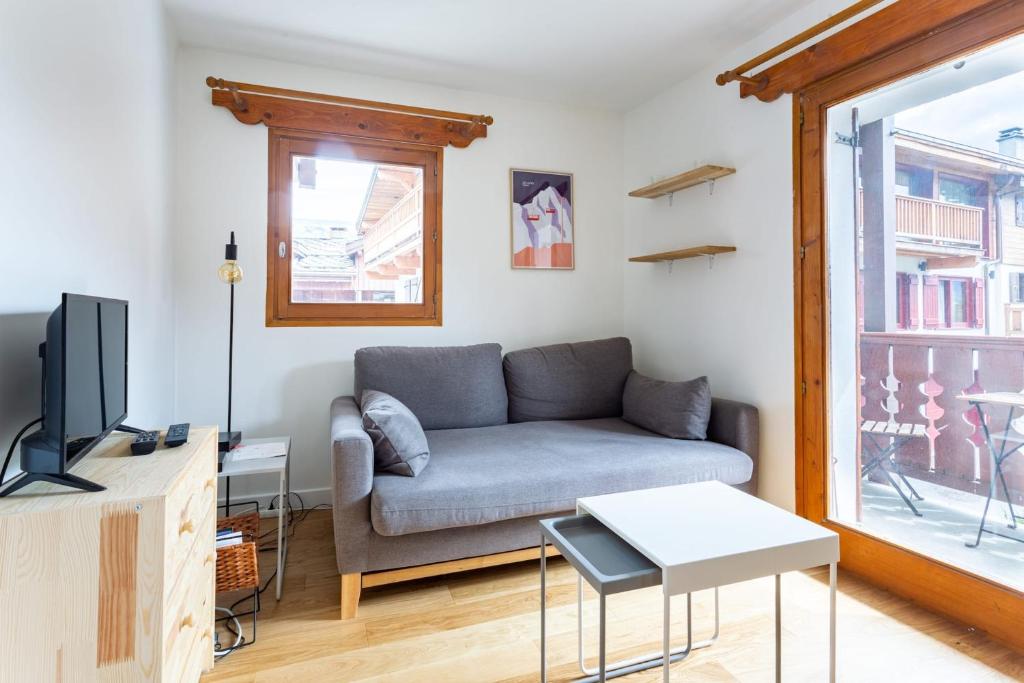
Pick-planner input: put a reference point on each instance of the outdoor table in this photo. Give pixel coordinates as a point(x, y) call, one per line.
point(982, 403)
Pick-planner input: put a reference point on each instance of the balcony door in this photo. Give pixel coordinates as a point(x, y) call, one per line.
point(911, 420)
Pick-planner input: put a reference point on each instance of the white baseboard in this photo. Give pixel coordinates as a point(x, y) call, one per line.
point(310, 498)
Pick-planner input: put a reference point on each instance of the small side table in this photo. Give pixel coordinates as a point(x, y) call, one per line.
point(279, 466)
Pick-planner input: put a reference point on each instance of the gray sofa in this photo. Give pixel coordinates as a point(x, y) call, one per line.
point(512, 440)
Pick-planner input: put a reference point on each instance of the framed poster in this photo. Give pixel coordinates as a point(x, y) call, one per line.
point(542, 220)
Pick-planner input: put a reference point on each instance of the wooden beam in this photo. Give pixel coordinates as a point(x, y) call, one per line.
point(888, 29)
point(319, 117)
point(452, 566)
point(784, 47)
point(238, 88)
point(940, 262)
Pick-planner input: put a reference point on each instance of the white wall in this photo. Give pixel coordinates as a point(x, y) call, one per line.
point(86, 187)
point(285, 378)
point(733, 323)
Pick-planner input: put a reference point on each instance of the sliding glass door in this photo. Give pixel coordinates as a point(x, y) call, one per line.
point(924, 270)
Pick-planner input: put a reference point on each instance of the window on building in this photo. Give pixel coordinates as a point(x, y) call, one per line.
point(957, 190)
point(914, 181)
point(1019, 209)
point(957, 298)
point(1016, 288)
point(356, 227)
point(953, 302)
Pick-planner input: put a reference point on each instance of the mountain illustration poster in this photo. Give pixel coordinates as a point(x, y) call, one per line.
point(542, 220)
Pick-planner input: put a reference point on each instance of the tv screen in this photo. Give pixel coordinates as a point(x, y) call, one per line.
point(94, 369)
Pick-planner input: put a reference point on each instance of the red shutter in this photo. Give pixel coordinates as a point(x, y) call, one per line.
point(902, 312)
point(931, 301)
point(912, 300)
point(978, 299)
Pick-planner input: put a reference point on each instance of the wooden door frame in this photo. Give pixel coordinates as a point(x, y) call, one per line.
point(943, 588)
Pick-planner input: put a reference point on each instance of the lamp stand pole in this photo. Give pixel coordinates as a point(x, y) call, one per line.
point(231, 356)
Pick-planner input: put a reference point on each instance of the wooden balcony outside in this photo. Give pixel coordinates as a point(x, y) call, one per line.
point(931, 371)
point(396, 230)
point(934, 223)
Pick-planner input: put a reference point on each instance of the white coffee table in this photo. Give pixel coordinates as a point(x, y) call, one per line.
point(278, 466)
point(708, 535)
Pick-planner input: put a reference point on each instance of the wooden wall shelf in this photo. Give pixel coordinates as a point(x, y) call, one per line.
point(704, 174)
point(706, 250)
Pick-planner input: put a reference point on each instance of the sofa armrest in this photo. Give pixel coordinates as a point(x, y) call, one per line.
point(351, 483)
point(736, 424)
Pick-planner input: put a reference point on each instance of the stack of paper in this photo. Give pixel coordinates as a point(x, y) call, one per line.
point(227, 537)
point(255, 451)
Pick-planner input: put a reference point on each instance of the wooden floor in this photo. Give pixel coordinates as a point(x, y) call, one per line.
point(483, 626)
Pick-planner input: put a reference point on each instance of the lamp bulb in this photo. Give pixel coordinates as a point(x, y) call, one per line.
point(230, 273)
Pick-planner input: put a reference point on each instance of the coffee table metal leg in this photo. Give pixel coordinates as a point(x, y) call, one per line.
point(543, 609)
point(666, 626)
point(832, 576)
point(778, 628)
point(643, 662)
point(602, 644)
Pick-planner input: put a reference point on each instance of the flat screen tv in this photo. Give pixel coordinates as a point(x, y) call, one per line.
point(85, 388)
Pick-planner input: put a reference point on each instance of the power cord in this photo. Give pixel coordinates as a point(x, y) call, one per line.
point(10, 451)
point(232, 624)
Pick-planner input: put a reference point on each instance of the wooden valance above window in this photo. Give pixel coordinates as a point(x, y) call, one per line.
point(870, 39)
point(316, 112)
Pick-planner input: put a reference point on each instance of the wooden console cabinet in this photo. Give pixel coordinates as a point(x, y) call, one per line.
point(116, 585)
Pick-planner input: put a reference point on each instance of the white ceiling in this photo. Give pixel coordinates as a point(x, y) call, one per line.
point(606, 53)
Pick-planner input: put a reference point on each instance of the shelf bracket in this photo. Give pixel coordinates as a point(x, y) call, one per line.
point(670, 264)
point(711, 261)
point(671, 195)
point(711, 187)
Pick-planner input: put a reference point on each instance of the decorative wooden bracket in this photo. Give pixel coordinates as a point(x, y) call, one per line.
point(298, 110)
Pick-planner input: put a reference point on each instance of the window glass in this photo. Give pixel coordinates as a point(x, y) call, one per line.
point(960, 191)
point(357, 232)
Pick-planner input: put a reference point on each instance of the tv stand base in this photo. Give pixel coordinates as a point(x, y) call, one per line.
point(128, 429)
point(69, 480)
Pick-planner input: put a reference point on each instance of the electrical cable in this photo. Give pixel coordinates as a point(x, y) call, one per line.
point(294, 519)
point(10, 451)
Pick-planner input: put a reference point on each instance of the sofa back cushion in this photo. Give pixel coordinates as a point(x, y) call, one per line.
point(577, 381)
point(445, 387)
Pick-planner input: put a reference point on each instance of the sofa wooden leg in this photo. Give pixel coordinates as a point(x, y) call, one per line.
point(351, 587)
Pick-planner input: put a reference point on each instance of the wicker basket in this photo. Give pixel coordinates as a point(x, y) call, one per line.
point(237, 565)
point(237, 568)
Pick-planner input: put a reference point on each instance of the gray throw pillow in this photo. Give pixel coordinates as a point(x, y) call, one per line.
point(679, 410)
point(399, 444)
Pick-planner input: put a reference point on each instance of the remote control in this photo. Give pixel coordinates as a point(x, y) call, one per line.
point(145, 443)
point(176, 435)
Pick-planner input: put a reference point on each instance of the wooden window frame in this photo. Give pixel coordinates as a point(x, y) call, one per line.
point(908, 38)
point(281, 311)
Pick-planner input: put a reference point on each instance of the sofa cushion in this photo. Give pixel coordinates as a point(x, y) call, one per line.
point(577, 381)
point(490, 474)
point(445, 386)
point(679, 410)
point(399, 444)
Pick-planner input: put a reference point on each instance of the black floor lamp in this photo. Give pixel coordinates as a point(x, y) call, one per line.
point(230, 273)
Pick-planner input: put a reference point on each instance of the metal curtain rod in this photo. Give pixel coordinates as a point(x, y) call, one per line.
point(822, 26)
point(238, 88)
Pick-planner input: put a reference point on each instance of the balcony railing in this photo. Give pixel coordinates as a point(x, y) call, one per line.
point(930, 371)
point(396, 229)
point(926, 221)
point(938, 222)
